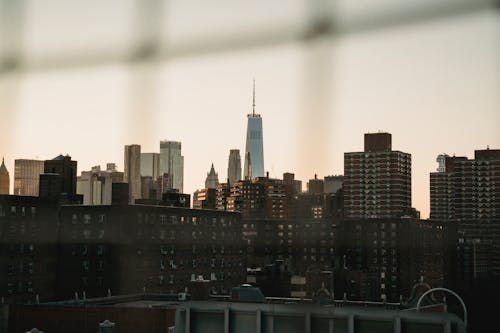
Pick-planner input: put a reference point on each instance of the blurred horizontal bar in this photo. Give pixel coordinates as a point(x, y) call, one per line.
point(319, 26)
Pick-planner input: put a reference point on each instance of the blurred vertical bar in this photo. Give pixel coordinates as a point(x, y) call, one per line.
point(144, 70)
point(12, 15)
point(317, 89)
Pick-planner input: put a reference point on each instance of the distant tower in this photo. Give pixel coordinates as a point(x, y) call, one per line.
point(150, 165)
point(132, 174)
point(234, 166)
point(212, 179)
point(172, 165)
point(4, 179)
point(27, 176)
point(254, 149)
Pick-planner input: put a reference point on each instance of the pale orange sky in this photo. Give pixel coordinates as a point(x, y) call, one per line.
point(434, 86)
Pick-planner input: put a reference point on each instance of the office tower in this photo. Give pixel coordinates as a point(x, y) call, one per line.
point(132, 174)
point(150, 165)
point(172, 165)
point(27, 176)
point(254, 148)
point(96, 185)
point(467, 189)
point(377, 182)
point(4, 179)
point(212, 179)
point(234, 166)
point(59, 167)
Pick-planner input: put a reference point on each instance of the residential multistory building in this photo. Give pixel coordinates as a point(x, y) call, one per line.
point(27, 176)
point(377, 181)
point(467, 189)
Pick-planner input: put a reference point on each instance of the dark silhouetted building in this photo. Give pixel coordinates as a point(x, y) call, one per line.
point(28, 249)
point(234, 166)
point(155, 249)
point(205, 199)
point(4, 179)
point(315, 186)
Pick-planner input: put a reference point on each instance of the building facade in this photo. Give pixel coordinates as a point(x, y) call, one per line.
point(172, 165)
point(234, 166)
point(377, 182)
point(150, 165)
point(467, 189)
point(137, 248)
point(132, 174)
point(27, 176)
point(381, 259)
point(4, 179)
point(28, 249)
point(96, 185)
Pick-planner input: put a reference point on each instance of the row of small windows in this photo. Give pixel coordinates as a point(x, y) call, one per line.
point(14, 211)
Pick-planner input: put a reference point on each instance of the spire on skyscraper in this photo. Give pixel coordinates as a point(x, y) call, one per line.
point(253, 104)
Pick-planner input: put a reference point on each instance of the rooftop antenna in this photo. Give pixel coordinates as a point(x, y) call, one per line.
point(253, 104)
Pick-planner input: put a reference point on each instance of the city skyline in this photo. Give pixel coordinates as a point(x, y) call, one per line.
point(434, 87)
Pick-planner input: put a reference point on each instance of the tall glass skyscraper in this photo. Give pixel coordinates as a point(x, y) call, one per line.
point(254, 150)
point(172, 165)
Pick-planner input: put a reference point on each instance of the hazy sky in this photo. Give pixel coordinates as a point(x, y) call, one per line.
point(434, 86)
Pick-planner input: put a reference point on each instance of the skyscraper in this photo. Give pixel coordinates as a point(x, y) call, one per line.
point(377, 182)
point(254, 149)
point(27, 176)
point(172, 165)
point(212, 179)
point(4, 179)
point(150, 165)
point(234, 166)
point(132, 174)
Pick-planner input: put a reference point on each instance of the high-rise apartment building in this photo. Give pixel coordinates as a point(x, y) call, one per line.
point(254, 149)
point(27, 176)
point(172, 165)
point(467, 189)
point(150, 165)
point(377, 182)
point(234, 166)
point(132, 174)
point(4, 179)
point(212, 179)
